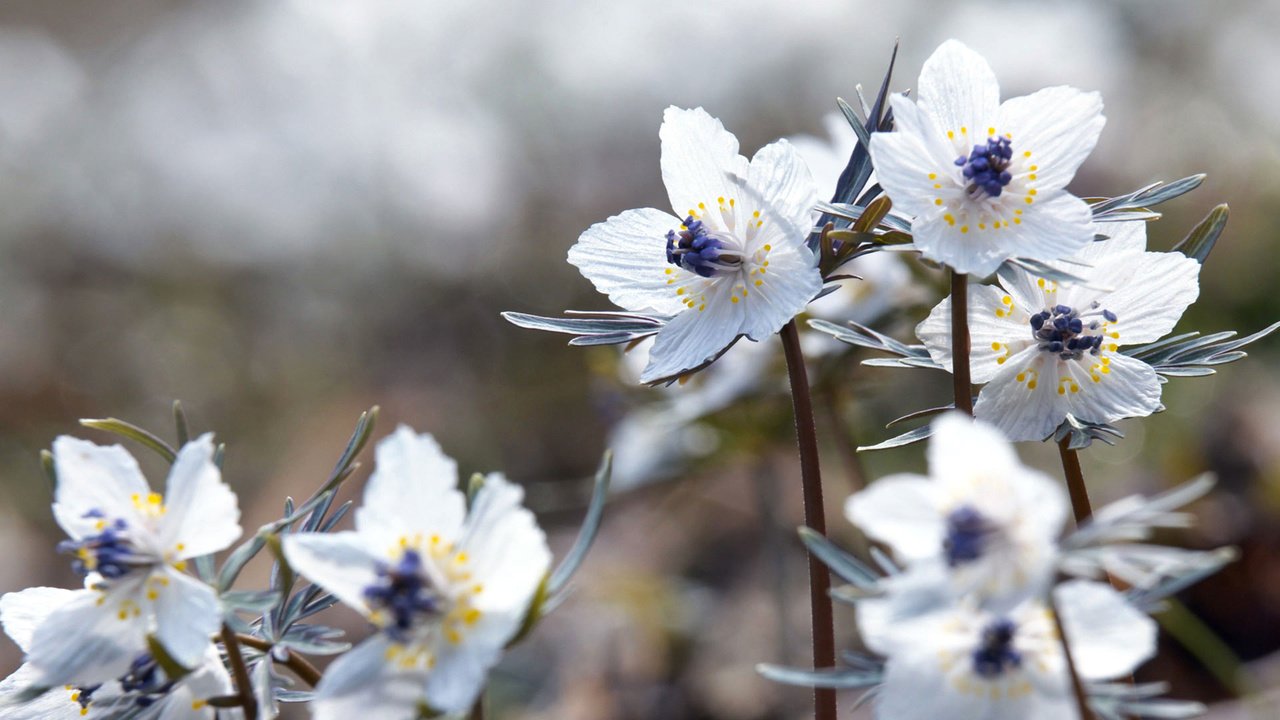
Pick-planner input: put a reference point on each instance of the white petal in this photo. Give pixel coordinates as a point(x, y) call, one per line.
point(908, 162)
point(780, 186)
point(1109, 637)
point(997, 330)
point(1027, 409)
point(53, 705)
point(901, 511)
point(1130, 389)
point(23, 611)
point(341, 563)
point(187, 700)
point(700, 160)
point(959, 90)
point(1161, 287)
point(1053, 227)
point(695, 336)
point(86, 642)
point(187, 614)
point(459, 675)
point(1059, 126)
point(963, 453)
point(625, 257)
point(91, 479)
point(362, 683)
point(968, 250)
point(784, 290)
point(413, 489)
point(1129, 236)
point(202, 515)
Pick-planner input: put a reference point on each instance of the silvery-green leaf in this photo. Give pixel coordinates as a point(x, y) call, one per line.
point(1200, 241)
point(906, 438)
point(1145, 197)
point(844, 565)
point(587, 533)
point(835, 678)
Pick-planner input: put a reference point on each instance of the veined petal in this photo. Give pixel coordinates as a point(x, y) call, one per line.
point(413, 490)
point(1109, 637)
point(22, 612)
point(909, 162)
point(94, 479)
point(1055, 227)
point(1021, 398)
point(187, 615)
point(998, 329)
point(781, 291)
point(963, 454)
point(1059, 126)
point(966, 249)
point(202, 514)
point(625, 257)
point(780, 185)
point(365, 683)
point(1159, 290)
point(695, 336)
point(92, 638)
point(189, 697)
point(901, 511)
point(958, 90)
point(57, 704)
point(1110, 391)
point(339, 562)
point(459, 675)
point(507, 553)
point(700, 160)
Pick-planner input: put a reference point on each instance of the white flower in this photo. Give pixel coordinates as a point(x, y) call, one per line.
point(1046, 350)
point(143, 691)
point(985, 181)
point(447, 589)
point(986, 521)
point(964, 662)
point(133, 545)
point(732, 261)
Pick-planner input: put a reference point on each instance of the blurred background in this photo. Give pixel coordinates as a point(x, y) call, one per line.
point(285, 212)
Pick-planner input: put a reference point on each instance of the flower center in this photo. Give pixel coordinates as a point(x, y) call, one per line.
point(700, 251)
point(967, 533)
point(1069, 333)
point(144, 684)
point(986, 168)
point(109, 553)
point(995, 655)
point(405, 592)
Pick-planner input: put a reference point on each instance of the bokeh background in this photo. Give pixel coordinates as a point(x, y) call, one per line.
point(284, 212)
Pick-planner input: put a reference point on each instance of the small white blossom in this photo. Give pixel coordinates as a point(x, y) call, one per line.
point(985, 180)
point(447, 589)
point(981, 519)
point(967, 662)
point(732, 261)
point(1046, 350)
point(132, 544)
point(143, 692)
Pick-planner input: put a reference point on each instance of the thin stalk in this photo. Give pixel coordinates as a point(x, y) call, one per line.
point(960, 383)
point(1080, 505)
point(244, 688)
point(824, 640)
point(1077, 687)
point(477, 710)
point(305, 671)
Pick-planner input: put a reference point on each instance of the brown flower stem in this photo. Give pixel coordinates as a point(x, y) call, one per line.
point(1077, 687)
point(305, 671)
point(824, 641)
point(244, 688)
point(477, 710)
point(960, 383)
point(1080, 505)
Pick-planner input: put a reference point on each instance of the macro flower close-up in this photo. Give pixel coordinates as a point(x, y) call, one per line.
point(1046, 349)
point(731, 262)
point(986, 181)
point(445, 586)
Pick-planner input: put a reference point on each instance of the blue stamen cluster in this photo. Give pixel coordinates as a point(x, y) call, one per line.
point(697, 251)
point(145, 681)
point(986, 167)
point(404, 591)
point(1061, 330)
point(967, 532)
point(109, 551)
point(996, 655)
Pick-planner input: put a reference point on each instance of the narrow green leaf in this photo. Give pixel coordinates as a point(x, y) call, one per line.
point(133, 432)
point(1200, 241)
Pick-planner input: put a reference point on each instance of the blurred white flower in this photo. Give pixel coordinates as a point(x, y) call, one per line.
point(447, 589)
point(966, 662)
point(981, 519)
point(133, 545)
point(1046, 350)
point(143, 692)
point(986, 181)
point(737, 264)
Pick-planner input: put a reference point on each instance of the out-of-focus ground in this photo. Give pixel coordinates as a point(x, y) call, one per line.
point(283, 212)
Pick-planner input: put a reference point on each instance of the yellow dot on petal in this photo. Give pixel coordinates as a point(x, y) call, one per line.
point(759, 283)
point(734, 299)
point(702, 206)
point(995, 346)
point(964, 130)
point(964, 229)
point(937, 186)
point(1032, 191)
point(1029, 200)
point(1034, 167)
point(937, 201)
point(982, 226)
point(951, 135)
point(1026, 154)
point(951, 220)
point(679, 291)
point(991, 131)
point(933, 176)
point(1017, 221)
point(1032, 176)
point(1031, 385)
point(767, 248)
